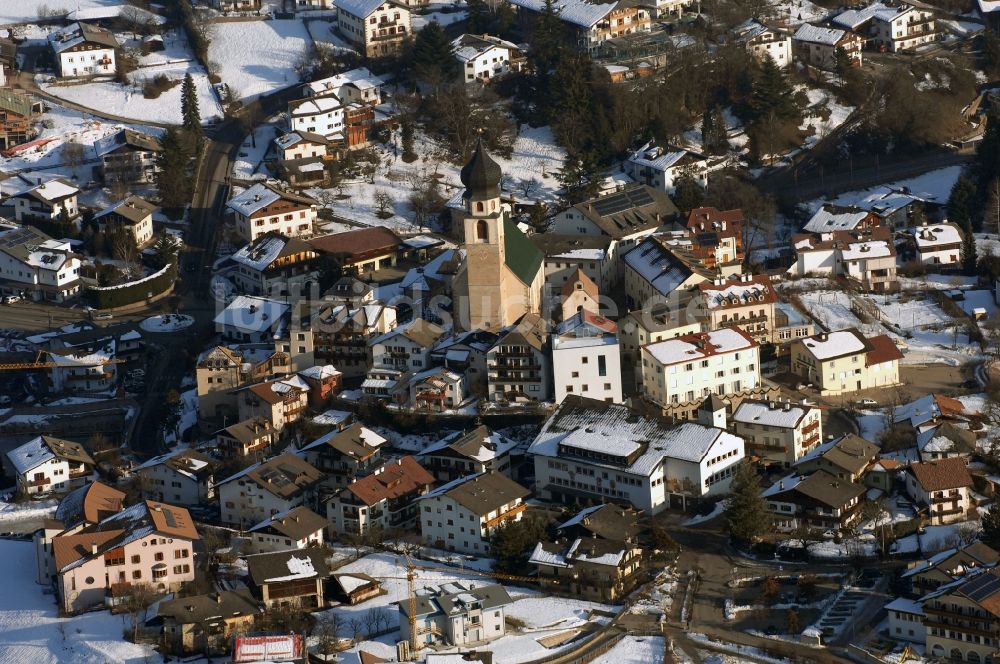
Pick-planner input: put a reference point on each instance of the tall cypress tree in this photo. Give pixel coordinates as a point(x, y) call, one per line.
point(173, 177)
point(190, 113)
point(746, 511)
point(970, 257)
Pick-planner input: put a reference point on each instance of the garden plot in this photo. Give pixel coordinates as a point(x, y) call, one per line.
point(931, 334)
point(258, 57)
point(323, 34)
point(832, 309)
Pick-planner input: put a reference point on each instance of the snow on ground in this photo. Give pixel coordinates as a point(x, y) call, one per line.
point(322, 32)
point(531, 174)
point(548, 612)
point(25, 11)
point(933, 186)
point(257, 57)
point(797, 11)
point(443, 18)
point(978, 299)
point(634, 650)
point(871, 424)
point(826, 114)
point(248, 164)
point(128, 101)
point(63, 125)
point(832, 309)
point(32, 631)
point(167, 323)
point(28, 510)
point(717, 510)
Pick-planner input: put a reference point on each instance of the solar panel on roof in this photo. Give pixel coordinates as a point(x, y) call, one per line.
point(982, 587)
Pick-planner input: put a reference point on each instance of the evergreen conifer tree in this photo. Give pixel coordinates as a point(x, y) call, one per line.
point(991, 526)
point(746, 511)
point(190, 113)
point(962, 202)
point(970, 257)
point(173, 177)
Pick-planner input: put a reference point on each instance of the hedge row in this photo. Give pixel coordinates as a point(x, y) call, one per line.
point(111, 297)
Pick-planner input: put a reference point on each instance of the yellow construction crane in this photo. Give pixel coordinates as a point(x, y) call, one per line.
point(41, 363)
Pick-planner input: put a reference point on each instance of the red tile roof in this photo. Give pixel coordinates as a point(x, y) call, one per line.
point(396, 480)
point(883, 350)
point(942, 474)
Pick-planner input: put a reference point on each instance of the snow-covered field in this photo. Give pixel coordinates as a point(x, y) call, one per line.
point(634, 650)
point(832, 309)
point(823, 103)
point(24, 11)
point(33, 510)
point(128, 101)
point(322, 33)
point(167, 323)
point(257, 57)
point(543, 616)
point(530, 174)
point(31, 631)
point(933, 185)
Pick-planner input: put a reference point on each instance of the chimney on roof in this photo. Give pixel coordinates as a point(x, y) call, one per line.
point(781, 484)
point(256, 198)
point(93, 548)
point(788, 406)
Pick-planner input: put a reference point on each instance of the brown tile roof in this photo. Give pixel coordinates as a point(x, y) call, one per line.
point(942, 474)
point(484, 493)
point(249, 430)
point(297, 523)
point(263, 567)
point(215, 606)
point(67, 549)
point(172, 520)
point(285, 475)
point(883, 350)
point(823, 487)
point(711, 215)
point(350, 245)
point(90, 504)
point(398, 479)
point(580, 280)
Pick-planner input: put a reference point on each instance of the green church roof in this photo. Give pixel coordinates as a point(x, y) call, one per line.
point(523, 257)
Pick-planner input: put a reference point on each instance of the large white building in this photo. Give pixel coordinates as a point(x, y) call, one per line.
point(586, 359)
point(483, 57)
point(378, 27)
point(263, 209)
point(45, 464)
point(678, 374)
point(264, 489)
point(778, 432)
point(47, 200)
point(184, 477)
point(462, 514)
point(764, 42)
point(457, 613)
point(891, 27)
point(322, 115)
point(35, 266)
point(593, 451)
point(938, 244)
point(660, 167)
point(84, 50)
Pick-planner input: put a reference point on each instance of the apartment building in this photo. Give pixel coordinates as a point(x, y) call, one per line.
point(280, 401)
point(275, 265)
point(745, 301)
point(485, 57)
point(778, 432)
point(81, 49)
point(818, 501)
point(221, 370)
point(518, 365)
point(344, 333)
point(262, 209)
point(384, 501)
point(847, 458)
point(468, 453)
point(661, 166)
point(962, 622)
point(846, 361)
point(678, 374)
point(938, 245)
point(598, 570)
point(654, 274)
point(132, 216)
point(149, 543)
point(462, 515)
point(297, 528)
point(267, 488)
point(818, 46)
point(47, 200)
point(565, 254)
point(592, 24)
point(49, 465)
point(586, 359)
point(207, 624)
point(459, 613)
point(128, 156)
point(343, 455)
point(376, 27)
point(36, 267)
point(763, 42)
point(891, 26)
point(593, 452)
point(942, 488)
point(183, 477)
point(250, 437)
point(866, 257)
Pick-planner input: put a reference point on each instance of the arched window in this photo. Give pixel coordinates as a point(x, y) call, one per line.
point(482, 230)
point(479, 206)
point(973, 657)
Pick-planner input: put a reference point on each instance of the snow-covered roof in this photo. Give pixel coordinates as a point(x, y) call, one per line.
point(936, 235)
point(829, 218)
point(906, 605)
point(30, 455)
point(819, 35)
point(259, 255)
point(618, 431)
point(320, 372)
point(658, 266)
point(770, 413)
point(578, 12)
point(359, 77)
point(361, 8)
point(786, 483)
point(657, 158)
point(51, 190)
point(252, 314)
point(692, 347)
point(835, 344)
point(81, 33)
point(314, 105)
point(867, 249)
point(853, 18)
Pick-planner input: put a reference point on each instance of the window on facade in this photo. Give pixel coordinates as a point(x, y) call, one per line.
point(482, 228)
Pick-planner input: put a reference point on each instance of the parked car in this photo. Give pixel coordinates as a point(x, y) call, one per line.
point(868, 403)
point(11, 299)
point(101, 315)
